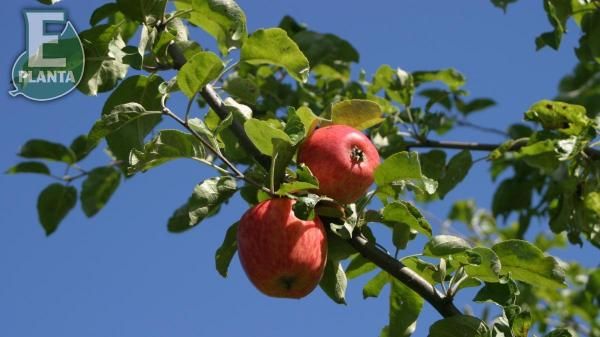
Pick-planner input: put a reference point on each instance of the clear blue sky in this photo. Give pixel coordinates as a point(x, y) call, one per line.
point(122, 274)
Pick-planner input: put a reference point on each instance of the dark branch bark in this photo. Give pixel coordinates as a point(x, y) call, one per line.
point(394, 267)
point(398, 270)
point(474, 146)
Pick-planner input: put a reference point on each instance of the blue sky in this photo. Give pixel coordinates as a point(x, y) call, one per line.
point(121, 274)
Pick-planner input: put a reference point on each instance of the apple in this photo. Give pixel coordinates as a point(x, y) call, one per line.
point(282, 255)
point(343, 159)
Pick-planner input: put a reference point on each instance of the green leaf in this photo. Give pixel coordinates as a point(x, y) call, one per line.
point(567, 118)
point(143, 91)
point(477, 104)
point(406, 213)
point(54, 203)
point(223, 19)
point(527, 263)
point(166, 146)
point(334, 282)
point(148, 11)
point(558, 12)
point(462, 325)
point(489, 268)
point(97, 189)
point(359, 266)
point(521, 324)
point(405, 307)
point(225, 253)
point(262, 133)
point(29, 167)
point(103, 12)
point(457, 169)
point(305, 181)
point(511, 195)
point(198, 71)
point(502, 294)
point(357, 113)
point(104, 66)
point(205, 201)
point(403, 166)
point(81, 147)
point(283, 152)
point(304, 207)
point(425, 269)
point(375, 285)
point(274, 46)
point(560, 332)
point(308, 118)
point(294, 127)
point(443, 245)
point(451, 77)
point(42, 149)
point(121, 116)
point(397, 84)
point(243, 88)
point(433, 164)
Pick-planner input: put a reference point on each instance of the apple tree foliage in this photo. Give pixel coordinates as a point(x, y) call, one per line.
point(289, 79)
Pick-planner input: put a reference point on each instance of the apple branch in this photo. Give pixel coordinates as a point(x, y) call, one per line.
point(475, 146)
point(444, 305)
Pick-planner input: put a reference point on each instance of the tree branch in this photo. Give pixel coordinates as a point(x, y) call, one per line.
point(368, 250)
point(398, 270)
point(475, 146)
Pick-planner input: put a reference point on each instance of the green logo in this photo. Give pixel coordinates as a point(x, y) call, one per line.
point(53, 63)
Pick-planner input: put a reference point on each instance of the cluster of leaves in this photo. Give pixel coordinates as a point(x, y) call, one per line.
point(397, 109)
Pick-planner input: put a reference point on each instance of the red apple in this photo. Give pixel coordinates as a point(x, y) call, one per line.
point(343, 159)
point(282, 255)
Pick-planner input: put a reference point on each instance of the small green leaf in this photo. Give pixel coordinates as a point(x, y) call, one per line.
point(262, 133)
point(274, 46)
point(475, 105)
point(227, 250)
point(404, 212)
point(121, 116)
point(148, 11)
point(283, 152)
point(334, 282)
point(54, 203)
point(97, 189)
point(567, 118)
point(198, 71)
point(243, 88)
point(294, 127)
point(205, 201)
point(375, 285)
point(462, 325)
point(560, 332)
point(527, 263)
point(357, 113)
point(304, 207)
point(128, 132)
point(29, 167)
point(397, 84)
point(223, 19)
point(359, 266)
point(511, 195)
point(403, 166)
point(425, 269)
point(305, 181)
point(488, 269)
point(405, 307)
point(457, 169)
point(81, 147)
point(42, 149)
point(103, 12)
point(443, 245)
point(502, 294)
point(451, 77)
point(166, 146)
